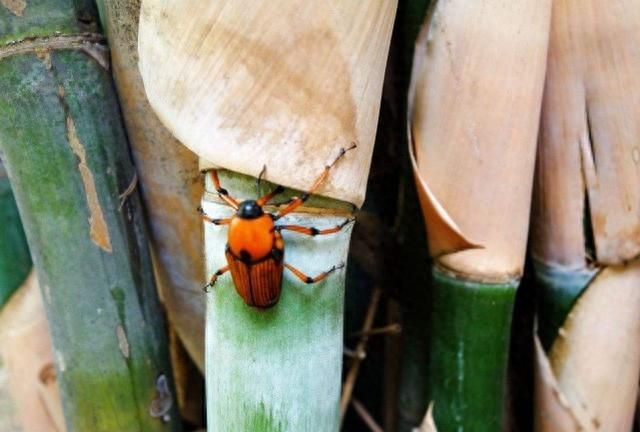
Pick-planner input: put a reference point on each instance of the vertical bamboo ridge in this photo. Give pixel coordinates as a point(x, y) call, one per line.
point(169, 181)
point(66, 155)
point(25, 348)
point(284, 80)
point(586, 219)
point(277, 369)
point(466, 58)
point(15, 261)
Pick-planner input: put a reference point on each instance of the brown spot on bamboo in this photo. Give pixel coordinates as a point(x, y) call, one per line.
point(123, 342)
point(99, 231)
point(16, 7)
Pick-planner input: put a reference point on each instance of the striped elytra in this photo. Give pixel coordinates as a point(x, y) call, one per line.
point(258, 283)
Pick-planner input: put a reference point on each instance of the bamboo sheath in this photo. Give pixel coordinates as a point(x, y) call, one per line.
point(286, 81)
point(586, 216)
point(25, 347)
point(66, 155)
point(469, 57)
point(169, 181)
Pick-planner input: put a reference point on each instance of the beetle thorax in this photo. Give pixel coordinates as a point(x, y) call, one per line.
point(251, 239)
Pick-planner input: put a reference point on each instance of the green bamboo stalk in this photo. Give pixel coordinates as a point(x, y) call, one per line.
point(470, 332)
point(558, 290)
point(68, 161)
point(15, 261)
point(277, 369)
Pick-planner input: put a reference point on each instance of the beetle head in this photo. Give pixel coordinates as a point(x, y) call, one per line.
point(249, 209)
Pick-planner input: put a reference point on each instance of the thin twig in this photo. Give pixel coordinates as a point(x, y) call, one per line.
point(391, 329)
point(354, 354)
point(365, 416)
point(352, 375)
point(129, 190)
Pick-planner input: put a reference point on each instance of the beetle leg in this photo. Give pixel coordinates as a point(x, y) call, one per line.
point(211, 220)
point(268, 197)
point(222, 192)
point(298, 201)
point(312, 231)
point(309, 280)
point(214, 278)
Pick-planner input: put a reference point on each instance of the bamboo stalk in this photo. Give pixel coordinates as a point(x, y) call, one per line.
point(277, 369)
point(169, 180)
point(15, 261)
point(66, 155)
point(587, 219)
point(468, 57)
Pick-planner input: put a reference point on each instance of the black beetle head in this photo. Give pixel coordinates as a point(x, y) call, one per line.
point(249, 209)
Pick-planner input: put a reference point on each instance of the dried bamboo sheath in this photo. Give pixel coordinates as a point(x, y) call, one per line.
point(25, 350)
point(284, 81)
point(66, 155)
point(586, 227)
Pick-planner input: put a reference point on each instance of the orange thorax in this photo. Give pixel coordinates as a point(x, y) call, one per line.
point(253, 236)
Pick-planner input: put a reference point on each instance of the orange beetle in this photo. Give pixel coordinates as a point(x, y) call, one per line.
point(255, 247)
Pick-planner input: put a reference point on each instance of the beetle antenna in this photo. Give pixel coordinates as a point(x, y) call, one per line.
point(342, 152)
point(264, 169)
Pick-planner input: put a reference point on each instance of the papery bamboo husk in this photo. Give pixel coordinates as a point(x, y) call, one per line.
point(27, 355)
point(594, 363)
point(169, 180)
point(586, 219)
point(284, 81)
point(467, 57)
point(474, 106)
point(284, 84)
